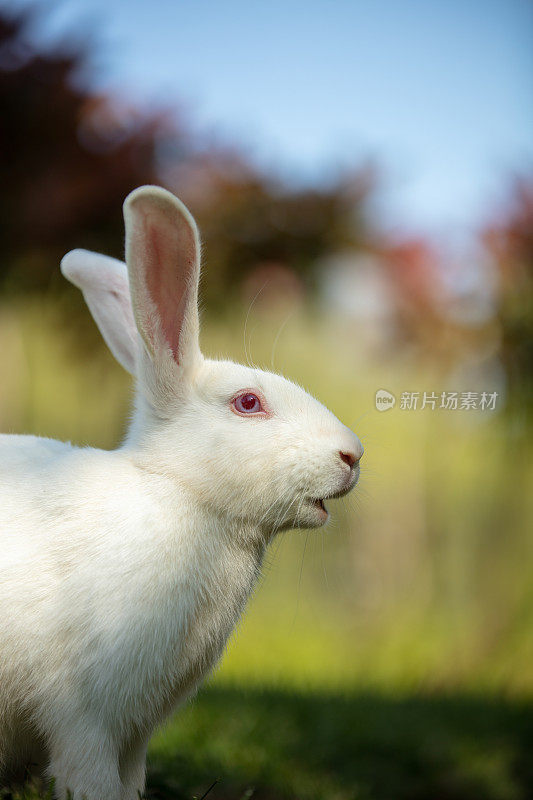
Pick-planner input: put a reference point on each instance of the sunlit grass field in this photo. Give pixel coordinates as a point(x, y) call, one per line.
point(389, 655)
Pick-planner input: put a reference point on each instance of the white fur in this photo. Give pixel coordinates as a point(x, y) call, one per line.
point(123, 573)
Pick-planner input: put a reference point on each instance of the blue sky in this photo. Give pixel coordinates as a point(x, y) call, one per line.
point(440, 92)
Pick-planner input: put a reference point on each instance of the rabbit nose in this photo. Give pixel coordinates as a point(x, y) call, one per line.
point(350, 458)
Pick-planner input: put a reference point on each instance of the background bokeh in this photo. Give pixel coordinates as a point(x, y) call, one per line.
point(363, 182)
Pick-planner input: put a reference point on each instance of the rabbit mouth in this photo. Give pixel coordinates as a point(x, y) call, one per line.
point(319, 502)
point(319, 510)
point(313, 511)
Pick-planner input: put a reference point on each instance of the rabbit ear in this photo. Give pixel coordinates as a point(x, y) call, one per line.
point(105, 286)
point(163, 258)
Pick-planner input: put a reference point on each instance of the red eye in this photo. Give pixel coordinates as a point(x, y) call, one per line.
point(248, 404)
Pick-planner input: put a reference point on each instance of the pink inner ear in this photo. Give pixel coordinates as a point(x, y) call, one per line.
point(170, 254)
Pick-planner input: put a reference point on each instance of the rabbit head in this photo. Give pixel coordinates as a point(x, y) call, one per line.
point(247, 444)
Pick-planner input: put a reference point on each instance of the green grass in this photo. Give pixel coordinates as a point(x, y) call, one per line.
point(364, 746)
point(274, 744)
point(397, 644)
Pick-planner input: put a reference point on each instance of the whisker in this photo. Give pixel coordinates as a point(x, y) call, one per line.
point(276, 500)
point(275, 343)
point(300, 580)
point(248, 360)
point(323, 560)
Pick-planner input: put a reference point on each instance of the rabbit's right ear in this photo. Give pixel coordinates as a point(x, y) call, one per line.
point(104, 283)
point(163, 258)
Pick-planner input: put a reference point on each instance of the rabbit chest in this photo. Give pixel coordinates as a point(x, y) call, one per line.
point(186, 606)
point(215, 601)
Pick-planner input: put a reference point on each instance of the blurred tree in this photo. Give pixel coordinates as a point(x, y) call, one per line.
point(67, 159)
point(412, 267)
point(253, 225)
point(510, 242)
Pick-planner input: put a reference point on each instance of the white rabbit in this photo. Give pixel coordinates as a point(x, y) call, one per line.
point(123, 573)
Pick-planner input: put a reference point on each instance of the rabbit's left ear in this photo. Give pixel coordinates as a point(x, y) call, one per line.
point(105, 286)
point(163, 258)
